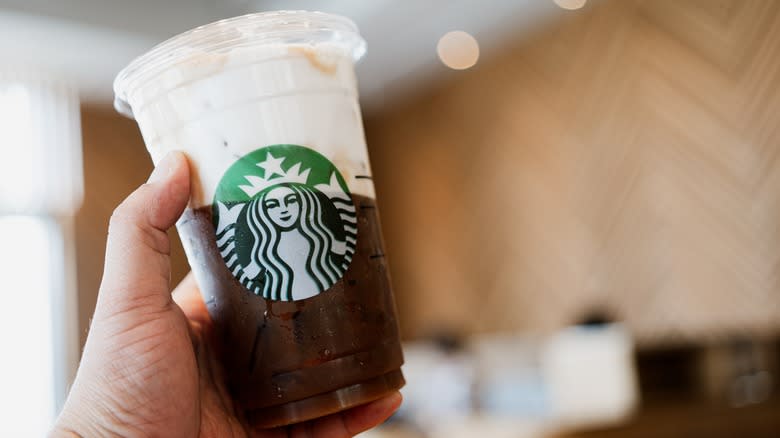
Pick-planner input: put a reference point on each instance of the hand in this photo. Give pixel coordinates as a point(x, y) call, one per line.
point(148, 368)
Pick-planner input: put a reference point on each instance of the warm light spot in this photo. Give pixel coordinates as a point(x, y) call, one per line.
point(458, 50)
point(570, 4)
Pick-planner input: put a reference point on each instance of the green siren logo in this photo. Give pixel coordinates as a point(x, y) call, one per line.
point(285, 222)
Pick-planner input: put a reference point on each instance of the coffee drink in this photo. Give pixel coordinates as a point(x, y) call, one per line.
point(282, 231)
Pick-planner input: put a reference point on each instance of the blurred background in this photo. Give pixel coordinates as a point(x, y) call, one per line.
point(579, 200)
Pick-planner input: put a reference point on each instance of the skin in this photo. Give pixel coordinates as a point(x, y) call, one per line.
point(147, 368)
point(283, 207)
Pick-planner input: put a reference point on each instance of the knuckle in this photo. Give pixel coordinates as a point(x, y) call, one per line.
point(122, 217)
point(128, 211)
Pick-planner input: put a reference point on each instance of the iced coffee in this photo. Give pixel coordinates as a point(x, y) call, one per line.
point(282, 231)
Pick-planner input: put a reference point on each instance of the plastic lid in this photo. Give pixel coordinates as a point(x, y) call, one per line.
point(279, 27)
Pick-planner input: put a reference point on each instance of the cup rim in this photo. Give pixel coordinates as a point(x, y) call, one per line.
point(263, 28)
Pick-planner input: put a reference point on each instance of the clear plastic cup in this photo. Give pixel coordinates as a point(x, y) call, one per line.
point(282, 231)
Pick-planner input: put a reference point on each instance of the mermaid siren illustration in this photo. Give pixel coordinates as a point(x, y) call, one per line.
point(296, 238)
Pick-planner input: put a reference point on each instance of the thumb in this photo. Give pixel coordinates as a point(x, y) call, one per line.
point(137, 269)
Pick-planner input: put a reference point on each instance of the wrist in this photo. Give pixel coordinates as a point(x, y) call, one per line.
point(63, 432)
point(69, 425)
point(81, 418)
point(81, 424)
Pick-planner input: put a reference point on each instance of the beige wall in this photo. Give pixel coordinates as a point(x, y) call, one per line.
point(627, 158)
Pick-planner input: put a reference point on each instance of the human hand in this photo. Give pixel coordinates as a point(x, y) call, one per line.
point(148, 367)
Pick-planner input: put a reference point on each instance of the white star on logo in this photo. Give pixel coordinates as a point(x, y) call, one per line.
point(272, 165)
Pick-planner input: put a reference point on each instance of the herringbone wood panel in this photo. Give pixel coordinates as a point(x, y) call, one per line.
point(627, 158)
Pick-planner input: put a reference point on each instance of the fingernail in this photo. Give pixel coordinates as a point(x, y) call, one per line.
point(389, 404)
point(397, 399)
point(164, 168)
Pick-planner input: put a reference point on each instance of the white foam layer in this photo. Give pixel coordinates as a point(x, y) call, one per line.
point(218, 108)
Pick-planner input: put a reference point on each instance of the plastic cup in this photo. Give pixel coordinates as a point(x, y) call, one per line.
point(282, 230)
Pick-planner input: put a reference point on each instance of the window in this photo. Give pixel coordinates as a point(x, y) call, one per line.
point(40, 190)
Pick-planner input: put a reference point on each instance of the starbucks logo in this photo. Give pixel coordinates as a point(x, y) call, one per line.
point(285, 222)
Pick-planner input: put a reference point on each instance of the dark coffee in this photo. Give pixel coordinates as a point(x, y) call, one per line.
point(290, 361)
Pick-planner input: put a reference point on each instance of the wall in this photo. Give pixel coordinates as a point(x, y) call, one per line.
point(626, 159)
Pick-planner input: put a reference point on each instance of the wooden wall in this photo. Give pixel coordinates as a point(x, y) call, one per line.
point(627, 159)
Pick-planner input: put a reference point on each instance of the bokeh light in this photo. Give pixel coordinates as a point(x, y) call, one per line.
point(458, 50)
point(570, 4)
